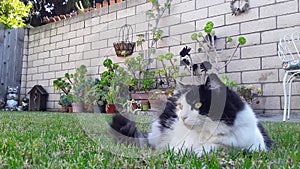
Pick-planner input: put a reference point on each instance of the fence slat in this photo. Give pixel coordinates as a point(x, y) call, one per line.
point(11, 56)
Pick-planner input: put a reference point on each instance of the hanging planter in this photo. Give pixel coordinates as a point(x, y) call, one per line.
point(124, 47)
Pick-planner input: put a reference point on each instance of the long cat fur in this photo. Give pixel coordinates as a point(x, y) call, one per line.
point(223, 120)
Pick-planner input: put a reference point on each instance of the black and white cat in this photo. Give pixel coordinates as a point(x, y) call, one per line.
point(200, 118)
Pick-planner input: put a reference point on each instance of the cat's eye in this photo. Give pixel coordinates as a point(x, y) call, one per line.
point(198, 105)
point(179, 106)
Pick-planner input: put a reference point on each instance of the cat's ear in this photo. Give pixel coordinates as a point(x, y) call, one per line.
point(213, 82)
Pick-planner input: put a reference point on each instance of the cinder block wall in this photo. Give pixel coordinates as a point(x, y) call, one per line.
point(60, 47)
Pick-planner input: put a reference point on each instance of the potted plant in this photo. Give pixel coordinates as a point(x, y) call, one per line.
point(248, 93)
point(79, 82)
point(124, 47)
point(97, 96)
point(64, 86)
point(66, 103)
point(107, 81)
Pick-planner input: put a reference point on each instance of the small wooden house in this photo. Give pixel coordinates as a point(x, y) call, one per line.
point(38, 98)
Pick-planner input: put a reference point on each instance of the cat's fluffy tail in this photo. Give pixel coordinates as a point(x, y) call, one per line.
point(125, 131)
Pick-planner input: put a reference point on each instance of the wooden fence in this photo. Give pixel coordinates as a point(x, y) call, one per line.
point(11, 55)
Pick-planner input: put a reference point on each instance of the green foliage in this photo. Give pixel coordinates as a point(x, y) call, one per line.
point(66, 100)
point(13, 13)
point(62, 84)
point(169, 71)
point(248, 93)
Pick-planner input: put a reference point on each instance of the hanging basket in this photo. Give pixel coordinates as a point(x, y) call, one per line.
point(128, 47)
point(124, 47)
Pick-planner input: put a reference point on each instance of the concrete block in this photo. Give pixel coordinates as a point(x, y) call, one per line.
point(271, 62)
point(217, 20)
point(250, 15)
point(100, 28)
point(194, 15)
point(75, 56)
point(83, 32)
point(260, 76)
point(279, 9)
point(69, 50)
point(77, 25)
point(43, 69)
point(108, 17)
point(126, 12)
point(83, 47)
point(62, 59)
point(258, 25)
point(275, 35)
point(117, 6)
point(55, 38)
point(182, 7)
point(68, 65)
point(43, 55)
point(90, 54)
point(117, 23)
point(219, 9)
point(288, 20)
point(143, 7)
point(57, 52)
point(207, 3)
point(63, 29)
point(259, 50)
point(76, 41)
point(69, 35)
point(91, 38)
point(62, 44)
point(182, 28)
point(244, 65)
point(99, 44)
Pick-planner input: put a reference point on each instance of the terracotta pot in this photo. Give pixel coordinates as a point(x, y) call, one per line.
point(73, 14)
point(111, 2)
point(68, 15)
point(134, 106)
point(140, 95)
point(98, 5)
point(70, 109)
point(62, 16)
point(105, 3)
point(91, 9)
point(86, 10)
point(110, 108)
point(77, 107)
point(64, 109)
point(119, 1)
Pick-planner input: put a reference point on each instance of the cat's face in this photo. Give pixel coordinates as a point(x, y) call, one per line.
point(194, 105)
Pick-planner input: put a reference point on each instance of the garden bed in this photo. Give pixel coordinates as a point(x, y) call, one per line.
point(60, 140)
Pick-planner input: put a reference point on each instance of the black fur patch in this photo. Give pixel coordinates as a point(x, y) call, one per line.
point(224, 105)
point(168, 117)
point(266, 137)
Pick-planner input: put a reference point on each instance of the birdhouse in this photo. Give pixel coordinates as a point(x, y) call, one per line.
point(38, 98)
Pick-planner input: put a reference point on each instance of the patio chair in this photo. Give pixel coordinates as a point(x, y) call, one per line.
point(289, 54)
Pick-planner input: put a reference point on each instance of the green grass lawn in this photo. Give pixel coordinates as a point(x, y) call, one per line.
point(58, 140)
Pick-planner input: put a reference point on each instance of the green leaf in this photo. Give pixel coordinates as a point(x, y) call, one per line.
point(194, 36)
point(242, 40)
point(229, 39)
point(208, 29)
